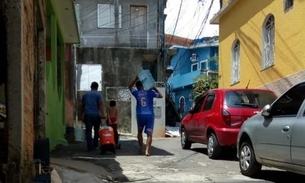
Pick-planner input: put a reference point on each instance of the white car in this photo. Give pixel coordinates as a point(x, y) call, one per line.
point(276, 136)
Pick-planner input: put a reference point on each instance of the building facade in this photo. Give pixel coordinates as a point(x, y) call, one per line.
point(34, 38)
point(261, 44)
point(120, 36)
point(189, 63)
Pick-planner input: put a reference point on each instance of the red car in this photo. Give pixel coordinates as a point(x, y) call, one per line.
point(217, 116)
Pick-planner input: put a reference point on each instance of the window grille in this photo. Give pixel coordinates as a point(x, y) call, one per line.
point(268, 43)
point(288, 4)
point(235, 62)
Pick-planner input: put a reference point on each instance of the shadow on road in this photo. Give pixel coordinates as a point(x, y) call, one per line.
point(279, 176)
point(129, 147)
point(228, 154)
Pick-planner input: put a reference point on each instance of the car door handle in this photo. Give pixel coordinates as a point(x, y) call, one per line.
point(285, 129)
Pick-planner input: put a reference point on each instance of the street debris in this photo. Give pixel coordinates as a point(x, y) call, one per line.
point(172, 131)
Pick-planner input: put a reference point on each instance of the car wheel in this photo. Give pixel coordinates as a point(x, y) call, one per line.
point(213, 148)
point(185, 143)
point(247, 162)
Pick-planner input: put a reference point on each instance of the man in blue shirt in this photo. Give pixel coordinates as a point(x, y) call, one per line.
point(92, 112)
point(145, 112)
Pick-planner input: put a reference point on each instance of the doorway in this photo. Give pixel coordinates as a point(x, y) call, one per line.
point(138, 24)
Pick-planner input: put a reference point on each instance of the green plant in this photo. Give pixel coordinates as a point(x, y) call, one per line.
point(202, 84)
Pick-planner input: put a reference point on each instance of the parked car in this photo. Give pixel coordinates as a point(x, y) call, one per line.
point(218, 115)
point(275, 137)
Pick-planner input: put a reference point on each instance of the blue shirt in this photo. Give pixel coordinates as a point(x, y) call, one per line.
point(145, 100)
point(92, 100)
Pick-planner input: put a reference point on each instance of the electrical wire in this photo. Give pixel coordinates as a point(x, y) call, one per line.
point(122, 18)
point(204, 21)
point(181, 3)
point(198, 34)
point(123, 29)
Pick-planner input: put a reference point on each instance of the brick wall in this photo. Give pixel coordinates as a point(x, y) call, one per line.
point(29, 65)
point(22, 48)
point(69, 87)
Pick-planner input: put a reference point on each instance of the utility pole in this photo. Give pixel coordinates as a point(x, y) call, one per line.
point(116, 21)
point(161, 41)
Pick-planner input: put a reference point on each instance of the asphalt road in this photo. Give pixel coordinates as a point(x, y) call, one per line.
point(170, 163)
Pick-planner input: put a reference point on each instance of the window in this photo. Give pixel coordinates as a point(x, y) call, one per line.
point(194, 67)
point(248, 98)
point(106, 16)
point(235, 62)
point(198, 104)
point(204, 65)
point(209, 102)
point(289, 103)
point(288, 4)
point(268, 42)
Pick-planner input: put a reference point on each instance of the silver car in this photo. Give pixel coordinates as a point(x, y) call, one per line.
point(276, 136)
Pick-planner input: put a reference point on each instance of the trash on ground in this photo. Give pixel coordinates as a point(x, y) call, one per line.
point(172, 131)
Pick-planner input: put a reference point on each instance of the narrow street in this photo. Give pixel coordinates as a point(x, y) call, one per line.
point(168, 163)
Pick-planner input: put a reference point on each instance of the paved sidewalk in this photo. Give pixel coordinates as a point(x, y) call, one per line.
point(73, 164)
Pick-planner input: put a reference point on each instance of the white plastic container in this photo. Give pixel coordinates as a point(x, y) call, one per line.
point(146, 79)
point(79, 134)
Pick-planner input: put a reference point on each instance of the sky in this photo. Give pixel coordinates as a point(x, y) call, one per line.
point(192, 14)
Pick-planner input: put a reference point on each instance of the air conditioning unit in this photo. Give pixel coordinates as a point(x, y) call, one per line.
point(194, 57)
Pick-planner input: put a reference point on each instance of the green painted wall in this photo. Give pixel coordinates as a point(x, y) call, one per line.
point(55, 82)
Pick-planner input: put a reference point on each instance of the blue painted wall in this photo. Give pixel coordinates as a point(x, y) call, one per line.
point(182, 80)
point(178, 62)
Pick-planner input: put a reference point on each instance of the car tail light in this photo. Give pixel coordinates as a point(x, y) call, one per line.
point(226, 116)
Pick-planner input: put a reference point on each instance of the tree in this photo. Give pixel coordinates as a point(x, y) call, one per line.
point(205, 81)
point(202, 84)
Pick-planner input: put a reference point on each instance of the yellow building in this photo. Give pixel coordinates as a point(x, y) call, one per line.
point(262, 43)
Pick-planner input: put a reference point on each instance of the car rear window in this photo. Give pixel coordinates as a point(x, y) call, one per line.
point(249, 98)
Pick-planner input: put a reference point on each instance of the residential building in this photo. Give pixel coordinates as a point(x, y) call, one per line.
point(188, 63)
point(35, 39)
point(261, 44)
point(119, 37)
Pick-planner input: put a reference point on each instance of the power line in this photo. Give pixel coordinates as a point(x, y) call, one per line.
point(203, 24)
point(171, 28)
point(198, 34)
point(122, 18)
point(181, 2)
